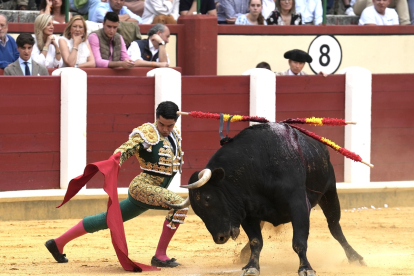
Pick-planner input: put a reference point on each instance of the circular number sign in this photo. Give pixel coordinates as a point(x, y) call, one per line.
point(326, 54)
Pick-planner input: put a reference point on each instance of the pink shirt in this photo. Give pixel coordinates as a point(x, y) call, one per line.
point(103, 63)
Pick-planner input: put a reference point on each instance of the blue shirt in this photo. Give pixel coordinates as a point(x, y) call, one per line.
point(99, 13)
point(8, 53)
point(23, 66)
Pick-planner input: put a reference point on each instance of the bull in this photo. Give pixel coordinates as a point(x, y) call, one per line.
point(268, 172)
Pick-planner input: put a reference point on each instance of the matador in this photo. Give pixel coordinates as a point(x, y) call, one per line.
point(157, 146)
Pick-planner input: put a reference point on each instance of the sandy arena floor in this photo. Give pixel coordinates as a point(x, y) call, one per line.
point(384, 237)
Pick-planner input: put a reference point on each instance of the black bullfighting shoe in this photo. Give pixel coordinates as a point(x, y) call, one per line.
point(168, 263)
point(51, 246)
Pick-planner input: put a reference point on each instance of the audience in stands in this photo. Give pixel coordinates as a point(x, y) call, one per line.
point(254, 17)
point(268, 7)
point(108, 47)
point(74, 45)
point(56, 8)
point(151, 52)
point(46, 49)
point(228, 11)
point(25, 65)
point(14, 4)
point(311, 11)
point(285, 14)
point(8, 48)
point(297, 59)
point(411, 10)
point(157, 11)
point(188, 7)
point(378, 13)
point(264, 65)
point(116, 6)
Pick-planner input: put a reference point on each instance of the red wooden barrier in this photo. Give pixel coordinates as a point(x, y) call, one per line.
point(315, 96)
point(392, 127)
point(115, 107)
point(29, 133)
point(210, 94)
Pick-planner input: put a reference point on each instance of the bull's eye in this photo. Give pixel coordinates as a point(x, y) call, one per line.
point(206, 200)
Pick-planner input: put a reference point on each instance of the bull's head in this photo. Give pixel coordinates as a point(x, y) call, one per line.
point(211, 204)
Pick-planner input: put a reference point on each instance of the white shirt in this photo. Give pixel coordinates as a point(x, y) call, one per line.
point(49, 61)
point(268, 7)
point(371, 16)
point(134, 51)
point(157, 7)
point(83, 51)
point(311, 11)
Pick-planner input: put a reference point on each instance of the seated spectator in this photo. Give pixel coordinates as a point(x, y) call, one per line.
point(46, 49)
point(108, 47)
point(254, 17)
point(188, 7)
point(14, 5)
point(75, 48)
point(56, 8)
point(297, 60)
point(311, 11)
point(228, 11)
point(151, 52)
point(25, 65)
point(285, 14)
point(8, 48)
point(156, 8)
point(268, 7)
point(264, 65)
point(116, 6)
point(376, 12)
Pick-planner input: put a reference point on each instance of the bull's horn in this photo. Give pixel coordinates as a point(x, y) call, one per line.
point(182, 205)
point(203, 177)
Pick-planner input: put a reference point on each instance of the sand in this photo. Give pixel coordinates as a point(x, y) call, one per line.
point(384, 237)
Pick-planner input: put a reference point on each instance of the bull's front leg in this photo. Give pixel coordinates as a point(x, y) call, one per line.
point(252, 228)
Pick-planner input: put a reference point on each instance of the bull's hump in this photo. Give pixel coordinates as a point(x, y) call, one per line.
point(288, 133)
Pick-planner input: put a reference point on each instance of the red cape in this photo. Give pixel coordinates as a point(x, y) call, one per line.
point(110, 169)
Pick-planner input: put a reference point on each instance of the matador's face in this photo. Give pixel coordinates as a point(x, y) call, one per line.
point(165, 126)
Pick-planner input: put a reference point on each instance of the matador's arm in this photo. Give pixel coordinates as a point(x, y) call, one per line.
point(129, 148)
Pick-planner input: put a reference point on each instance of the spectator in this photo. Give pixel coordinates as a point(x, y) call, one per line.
point(151, 52)
point(116, 6)
point(188, 7)
point(46, 49)
point(254, 17)
point(8, 48)
point(311, 11)
point(285, 14)
point(163, 8)
point(25, 63)
point(108, 47)
point(14, 5)
point(297, 60)
point(264, 65)
point(75, 48)
point(376, 12)
point(268, 7)
point(228, 11)
point(56, 8)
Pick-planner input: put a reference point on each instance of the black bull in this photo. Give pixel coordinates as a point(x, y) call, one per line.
point(269, 172)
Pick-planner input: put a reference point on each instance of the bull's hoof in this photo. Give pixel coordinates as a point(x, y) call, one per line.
point(250, 271)
point(309, 272)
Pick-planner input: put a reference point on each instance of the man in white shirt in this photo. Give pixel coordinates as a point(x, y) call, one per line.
point(400, 6)
point(151, 52)
point(379, 14)
point(311, 11)
point(24, 65)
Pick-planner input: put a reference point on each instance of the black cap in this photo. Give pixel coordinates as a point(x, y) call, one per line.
point(298, 55)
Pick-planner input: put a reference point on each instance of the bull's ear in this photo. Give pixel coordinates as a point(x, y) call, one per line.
point(217, 175)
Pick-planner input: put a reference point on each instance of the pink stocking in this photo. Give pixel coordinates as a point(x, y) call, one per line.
point(73, 233)
point(166, 236)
